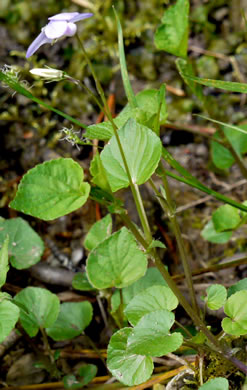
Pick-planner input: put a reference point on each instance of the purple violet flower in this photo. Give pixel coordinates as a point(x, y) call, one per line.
point(60, 25)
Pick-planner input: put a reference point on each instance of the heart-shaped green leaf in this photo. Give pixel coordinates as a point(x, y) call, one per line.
point(151, 337)
point(25, 245)
point(236, 309)
point(72, 319)
point(116, 262)
point(4, 261)
point(80, 282)
point(52, 189)
point(210, 234)
point(9, 315)
point(39, 308)
point(142, 149)
point(98, 232)
point(130, 369)
point(150, 300)
point(226, 217)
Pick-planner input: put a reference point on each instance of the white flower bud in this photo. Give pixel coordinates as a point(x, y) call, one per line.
point(49, 73)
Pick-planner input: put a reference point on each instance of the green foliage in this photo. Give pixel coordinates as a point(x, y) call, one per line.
point(116, 262)
point(172, 35)
point(39, 309)
point(72, 319)
point(236, 309)
point(130, 369)
point(142, 149)
point(241, 285)
point(226, 85)
point(215, 384)
point(210, 234)
point(9, 315)
point(222, 157)
point(98, 173)
point(225, 218)
point(4, 261)
point(52, 189)
point(216, 296)
point(87, 372)
point(151, 337)
point(150, 300)
point(145, 114)
point(98, 232)
point(25, 245)
point(80, 282)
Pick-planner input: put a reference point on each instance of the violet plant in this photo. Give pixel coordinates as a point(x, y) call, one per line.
point(141, 300)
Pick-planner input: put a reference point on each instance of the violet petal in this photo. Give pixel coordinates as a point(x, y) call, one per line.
point(55, 29)
point(78, 17)
point(39, 41)
point(65, 16)
point(71, 29)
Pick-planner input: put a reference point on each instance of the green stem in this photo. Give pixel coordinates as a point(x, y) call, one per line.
point(168, 207)
point(225, 353)
point(134, 187)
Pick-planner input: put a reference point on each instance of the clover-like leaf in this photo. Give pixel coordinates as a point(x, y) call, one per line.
point(116, 261)
point(150, 300)
point(98, 232)
point(52, 189)
point(72, 319)
point(39, 308)
point(236, 309)
point(9, 315)
point(142, 149)
point(151, 337)
point(25, 245)
point(216, 296)
point(129, 368)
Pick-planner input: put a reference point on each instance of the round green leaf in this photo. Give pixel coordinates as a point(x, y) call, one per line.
point(151, 337)
point(152, 277)
point(209, 233)
point(9, 315)
point(25, 245)
point(52, 189)
point(98, 232)
point(150, 300)
point(215, 384)
point(40, 308)
point(130, 369)
point(72, 319)
point(226, 217)
point(236, 309)
point(216, 296)
point(116, 262)
point(142, 149)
